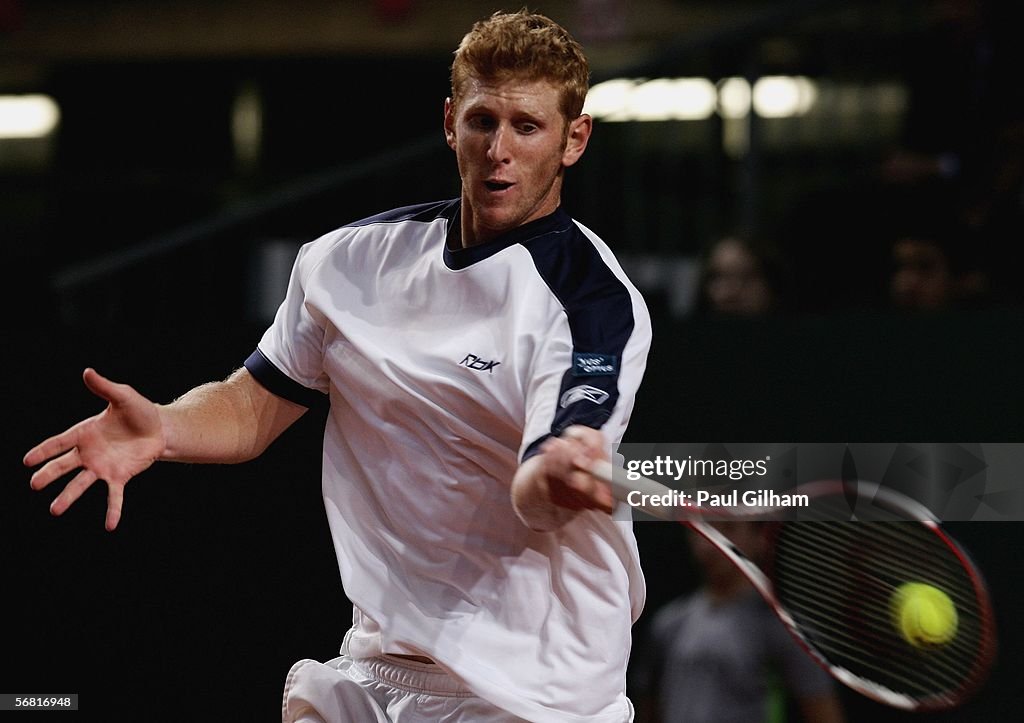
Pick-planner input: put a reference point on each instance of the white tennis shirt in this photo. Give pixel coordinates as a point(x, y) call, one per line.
point(444, 369)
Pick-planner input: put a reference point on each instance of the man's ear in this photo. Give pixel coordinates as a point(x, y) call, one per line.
point(449, 122)
point(576, 138)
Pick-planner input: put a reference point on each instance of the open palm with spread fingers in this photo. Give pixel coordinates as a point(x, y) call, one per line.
point(114, 446)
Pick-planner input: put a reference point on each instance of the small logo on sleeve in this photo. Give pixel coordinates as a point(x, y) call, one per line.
point(583, 393)
point(594, 365)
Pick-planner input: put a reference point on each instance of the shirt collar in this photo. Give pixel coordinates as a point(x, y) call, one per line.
point(460, 258)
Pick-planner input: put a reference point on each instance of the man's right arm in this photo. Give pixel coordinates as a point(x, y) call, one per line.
point(222, 422)
point(230, 421)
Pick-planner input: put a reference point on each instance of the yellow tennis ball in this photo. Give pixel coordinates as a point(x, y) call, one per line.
point(925, 616)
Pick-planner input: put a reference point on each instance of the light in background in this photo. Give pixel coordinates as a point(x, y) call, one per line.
point(734, 98)
point(27, 132)
point(780, 96)
point(28, 116)
point(247, 126)
point(660, 99)
point(796, 111)
point(673, 99)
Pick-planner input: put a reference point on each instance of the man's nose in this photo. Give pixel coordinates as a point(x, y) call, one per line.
point(499, 147)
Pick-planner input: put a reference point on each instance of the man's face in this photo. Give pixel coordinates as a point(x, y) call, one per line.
point(511, 142)
point(736, 284)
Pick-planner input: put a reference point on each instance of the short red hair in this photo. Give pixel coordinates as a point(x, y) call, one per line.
point(526, 46)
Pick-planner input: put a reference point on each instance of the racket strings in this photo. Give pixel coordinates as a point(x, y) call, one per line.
point(837, 580)
point(884, 568)
point(834, 635)
point(873, 586)
point(865, 605)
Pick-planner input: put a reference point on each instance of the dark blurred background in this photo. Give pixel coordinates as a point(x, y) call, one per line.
point(868, 155)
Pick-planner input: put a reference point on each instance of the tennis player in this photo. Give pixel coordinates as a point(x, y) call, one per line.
point(476, 353)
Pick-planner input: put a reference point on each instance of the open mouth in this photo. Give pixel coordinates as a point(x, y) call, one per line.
point(497, 185)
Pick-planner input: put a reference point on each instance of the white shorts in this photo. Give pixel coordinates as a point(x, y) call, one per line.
point(383, 689)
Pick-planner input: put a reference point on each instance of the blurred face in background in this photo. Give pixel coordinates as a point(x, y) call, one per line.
point(736, 282)
point(921, 277)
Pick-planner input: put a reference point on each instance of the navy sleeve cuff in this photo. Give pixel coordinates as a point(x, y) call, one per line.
point(595, 422)
point(277, 382)
point(534, 449)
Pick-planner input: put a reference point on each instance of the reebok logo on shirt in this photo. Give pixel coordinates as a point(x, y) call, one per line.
point(474, 362)
point(583, 392)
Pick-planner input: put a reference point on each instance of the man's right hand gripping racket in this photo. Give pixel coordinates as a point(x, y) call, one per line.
point(892, 607)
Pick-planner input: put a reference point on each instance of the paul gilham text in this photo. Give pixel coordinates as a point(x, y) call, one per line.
point(750, 498)
point(765, 499)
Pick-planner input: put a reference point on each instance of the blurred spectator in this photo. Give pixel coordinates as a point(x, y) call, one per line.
point(963, 138)
point(936, 259)
point(926, 277)
point(741, 277)
point(965, 122)
point(719, 655)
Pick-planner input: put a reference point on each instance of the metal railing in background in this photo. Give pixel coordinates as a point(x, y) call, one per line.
point(245, 212)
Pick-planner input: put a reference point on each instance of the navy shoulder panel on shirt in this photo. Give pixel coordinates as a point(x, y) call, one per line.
point(425, 212)
point(600, 315)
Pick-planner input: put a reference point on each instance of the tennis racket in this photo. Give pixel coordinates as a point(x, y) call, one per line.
point(833, 579)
